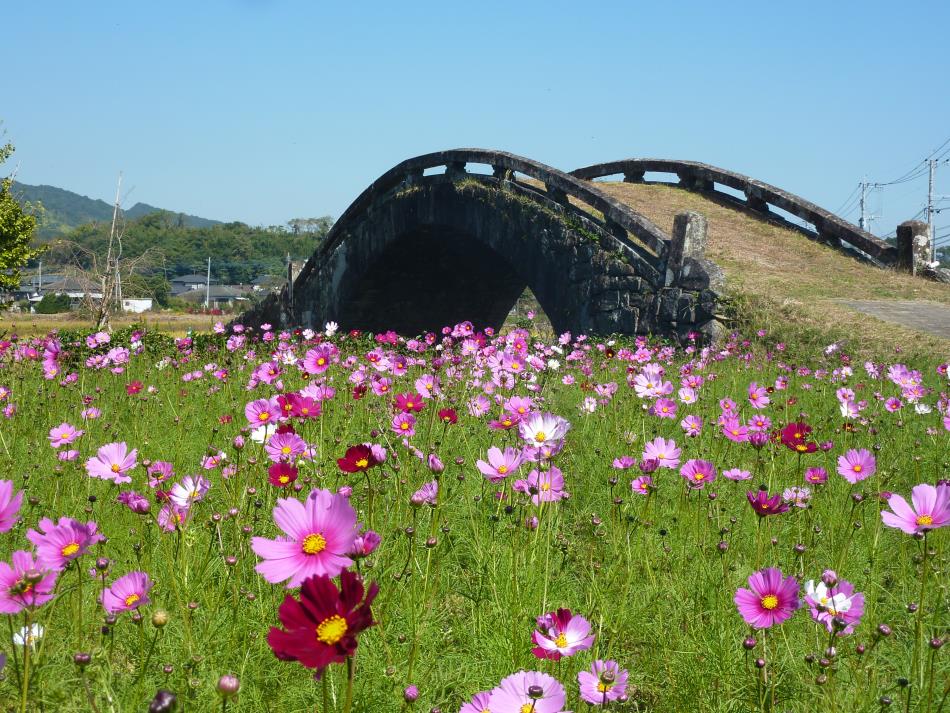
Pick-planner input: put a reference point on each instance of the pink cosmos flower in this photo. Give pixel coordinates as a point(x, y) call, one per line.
point(856, 465)
point(478, 704)
point(16, 594)
point(816, 476)
point(319, 534)
point(561, 633)
point(642, 485)
point(692, 425)
point(770, 599)
point(663, 451)
point(511, 695)
point(69, 455)
point(500, 464)
point(126, 593)
point(605, 682)
point(111, 462)
point(931, 509)
point(9, 505)
point(172, 517)
point(404, 424)
point(542, 485)
point(737, 474)
point(664, 408)
point(698, 472)
point(758, 396)
point(58, 544)
point(63, 435)
point(428, 494)
point(262, 412)
point(733, 429)
point(285, 447)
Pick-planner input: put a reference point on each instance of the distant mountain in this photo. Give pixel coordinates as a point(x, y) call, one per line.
point(65, 210)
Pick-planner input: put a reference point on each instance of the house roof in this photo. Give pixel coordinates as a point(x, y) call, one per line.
point(217, 292)
point(193, 278)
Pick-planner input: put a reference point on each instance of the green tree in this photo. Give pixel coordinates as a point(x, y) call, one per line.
point(16, 231)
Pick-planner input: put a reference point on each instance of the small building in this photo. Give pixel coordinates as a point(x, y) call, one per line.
point(185, 283)
point(218, 296)
point(136, 305)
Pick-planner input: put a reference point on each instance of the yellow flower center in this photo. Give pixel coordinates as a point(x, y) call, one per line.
point(801, 447)
point(321, 361)
point(857, 469)
point(285, 450)
point(604, 687)
point(362, 463)
point(560, 641)
point(925, 520)
point(132, 599)
point(70, 549)
point(263, 416)
point(769, 601)
point(284, 479)
point(527, 708)
point(545, 486)
point(503, 469)
point(698, 476)
point(521, 409)
point(404, 426)
point(331, 630)
point(115, 467)
point(540, 436)
point(409, 404)
point(313, 544)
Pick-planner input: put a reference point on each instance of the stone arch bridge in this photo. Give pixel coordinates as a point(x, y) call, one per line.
point(459, 234)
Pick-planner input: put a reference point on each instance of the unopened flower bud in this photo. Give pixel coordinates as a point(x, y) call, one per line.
point(410, 694)
point(228, 685)
point(159, 618)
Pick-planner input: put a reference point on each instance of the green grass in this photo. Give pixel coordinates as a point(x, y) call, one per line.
point(647, 574)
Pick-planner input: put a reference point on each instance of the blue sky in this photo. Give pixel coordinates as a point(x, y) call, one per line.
point(264, 110)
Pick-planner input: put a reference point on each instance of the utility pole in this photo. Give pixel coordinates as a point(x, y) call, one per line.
point(39, 289)
point(930, 208)
point(863, 222)
point(208, 287)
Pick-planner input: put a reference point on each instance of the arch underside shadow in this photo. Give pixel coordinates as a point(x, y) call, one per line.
point(432, 277)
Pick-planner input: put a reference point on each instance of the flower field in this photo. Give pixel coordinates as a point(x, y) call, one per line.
point(256, 520)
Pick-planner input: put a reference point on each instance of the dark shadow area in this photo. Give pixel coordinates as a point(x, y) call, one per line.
point(430, 278)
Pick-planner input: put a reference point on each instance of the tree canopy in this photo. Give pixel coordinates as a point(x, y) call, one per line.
point(17, 224)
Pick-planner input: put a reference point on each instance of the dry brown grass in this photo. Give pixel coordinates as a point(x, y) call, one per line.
point(778, 271)
point(30, 325)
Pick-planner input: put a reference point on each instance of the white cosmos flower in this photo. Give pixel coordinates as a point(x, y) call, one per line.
point(922, 408)
point(836, 604)
point(554, 364)
point(330, 328)
point(262, 434)
point(29, 636)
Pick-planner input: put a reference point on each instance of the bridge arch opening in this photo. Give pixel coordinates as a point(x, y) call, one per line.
point(432, 276)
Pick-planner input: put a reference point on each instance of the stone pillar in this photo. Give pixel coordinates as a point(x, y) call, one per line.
point(913, 246)
point(633, 176)
point(688, 241)
point(455, 169)
point(502, 173)
point(755, 201)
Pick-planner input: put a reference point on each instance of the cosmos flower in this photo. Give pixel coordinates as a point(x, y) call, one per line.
point(698, 473)
point(9, 505)
point(765, 505)
point(770, 599)
point(285, 447)
point(63, 435)
point(542, 429)
point(642, 485)
point(561, 633)
point(526, 691)
point(404, 424)
point(190, 490)
point(321, 627)
point(16, 594)
point(126, 593)
point(500, 463)
point(477, 704)
point(605, 682)
point(856, 465)
point(816, 476)
point(281, 474)
point(931, 509)
point(663, 451)
point(543, 485)
point(825, 603)
point(111, 462)
point(58, 544)
point(318, 535)
point(357, 459)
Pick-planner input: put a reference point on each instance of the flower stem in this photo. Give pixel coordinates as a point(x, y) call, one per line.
point(350, 672)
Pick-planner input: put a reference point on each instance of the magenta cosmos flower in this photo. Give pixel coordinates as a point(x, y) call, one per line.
point(698, 472)
point(9, 505)
point(561, 633)
point(16, 593)
point(127, 593)
point(931, 509)
point(320, 532)
point(285, 447)
point(112, 462)
point(605, 682)
point(855, 465)
point(58, 544)
point(543, 486)
point(770, 599)
point(527, 691)
point(63, 435)
point(500, 463)
point(404, 424)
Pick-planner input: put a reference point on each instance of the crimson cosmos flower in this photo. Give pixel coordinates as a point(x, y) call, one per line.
point(765, 505)
point(357, 459)
point(321, 628)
